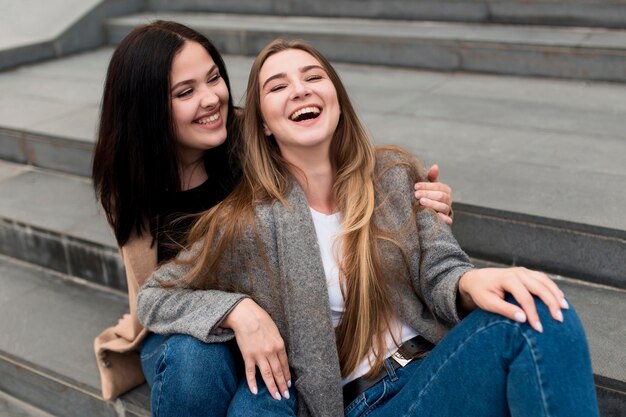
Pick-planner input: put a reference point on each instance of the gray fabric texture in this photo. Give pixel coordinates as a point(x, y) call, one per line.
point(286, 278)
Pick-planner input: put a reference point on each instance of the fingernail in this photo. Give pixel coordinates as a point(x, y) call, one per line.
point(564, 304)
point(255, 391)
point(277, 395)
point(559, 316)
point(538, 327)
point(417, 194)
point(289, 383)
point(520, 317)
point(286, 394)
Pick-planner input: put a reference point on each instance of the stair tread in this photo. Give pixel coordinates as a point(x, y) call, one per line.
point(54, 321)
point(57, 203)
point(12, 407)
point(373, 28)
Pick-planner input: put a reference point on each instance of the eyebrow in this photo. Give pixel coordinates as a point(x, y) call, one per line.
point(178, 84)
point(283, 75)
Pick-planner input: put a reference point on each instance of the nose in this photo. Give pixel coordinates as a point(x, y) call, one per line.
point(300, 90)
point(209, 99)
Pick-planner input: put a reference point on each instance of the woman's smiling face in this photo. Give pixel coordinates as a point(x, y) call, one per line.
point(199, 101)
point(298, 101)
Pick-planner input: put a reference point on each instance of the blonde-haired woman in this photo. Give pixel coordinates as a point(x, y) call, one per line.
point(324, 234)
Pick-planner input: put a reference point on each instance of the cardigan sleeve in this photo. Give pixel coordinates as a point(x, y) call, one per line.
point(442, 264)
point(436, 261)
point(197, 313)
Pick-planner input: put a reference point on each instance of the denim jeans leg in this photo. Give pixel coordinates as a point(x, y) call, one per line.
point(188, 377)
point(245, 404)
point(491, 366)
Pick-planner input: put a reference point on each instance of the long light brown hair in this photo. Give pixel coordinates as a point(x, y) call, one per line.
point(267, 178)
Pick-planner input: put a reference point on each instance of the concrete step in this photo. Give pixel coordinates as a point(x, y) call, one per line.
point(52, 220)
point(31, 31)
point(575, 53)
point(46, 349)
point(53, 124)
point(12, 407)
point(60, 375)
point(597, 13)
point(536, 165)
point(35, 31)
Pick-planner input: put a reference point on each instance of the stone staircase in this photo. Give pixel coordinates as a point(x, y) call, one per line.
point(520, 117)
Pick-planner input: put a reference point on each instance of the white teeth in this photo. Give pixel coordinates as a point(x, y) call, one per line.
point(211, 119)
point(295, 115)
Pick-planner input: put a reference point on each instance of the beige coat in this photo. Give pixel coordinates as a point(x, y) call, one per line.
point(117, 347)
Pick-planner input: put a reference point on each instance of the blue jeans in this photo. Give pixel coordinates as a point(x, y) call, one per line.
point(190, 378)
point(491, 366)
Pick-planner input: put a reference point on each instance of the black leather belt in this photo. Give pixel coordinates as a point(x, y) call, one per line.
point(415, 348)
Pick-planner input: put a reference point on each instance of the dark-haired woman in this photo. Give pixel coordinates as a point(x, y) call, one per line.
point(162, 153)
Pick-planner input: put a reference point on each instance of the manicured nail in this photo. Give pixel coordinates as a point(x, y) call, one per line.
point(289, 383)
point(538, 327)
point(520, 317)
point(564, 304)
point(286, 394)
point(418, 194)
point(559, 316)
point(277, 396)
point(255, 391)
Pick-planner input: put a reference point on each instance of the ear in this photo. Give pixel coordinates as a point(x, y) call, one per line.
point(266, 130)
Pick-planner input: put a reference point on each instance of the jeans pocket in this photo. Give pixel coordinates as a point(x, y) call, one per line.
point(376, 396)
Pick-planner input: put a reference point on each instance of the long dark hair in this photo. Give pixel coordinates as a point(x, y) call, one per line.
point(135, 157)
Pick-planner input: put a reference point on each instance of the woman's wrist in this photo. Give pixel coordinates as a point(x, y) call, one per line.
point(239, 315)
point(465, 301)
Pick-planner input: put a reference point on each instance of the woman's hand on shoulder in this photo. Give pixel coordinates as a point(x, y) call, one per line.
point(261, 346)
point(486, 288)
point(435, 195)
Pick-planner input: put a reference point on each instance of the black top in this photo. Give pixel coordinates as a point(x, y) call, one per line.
point(173, 222)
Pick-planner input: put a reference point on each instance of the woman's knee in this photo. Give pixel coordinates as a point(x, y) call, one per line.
point(245, 404)
point(570, 330)
point(190, 356)
point(559, 336)
point(570, 324)
point(192, 377)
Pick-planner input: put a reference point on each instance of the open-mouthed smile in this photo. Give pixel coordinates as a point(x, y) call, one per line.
point(305, 113)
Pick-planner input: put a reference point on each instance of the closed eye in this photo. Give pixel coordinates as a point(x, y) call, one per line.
point(277, 87)
point(214, 78)
point(313, 77)
point(184, 93)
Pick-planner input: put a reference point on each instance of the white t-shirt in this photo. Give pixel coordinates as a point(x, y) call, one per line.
point(327, 226)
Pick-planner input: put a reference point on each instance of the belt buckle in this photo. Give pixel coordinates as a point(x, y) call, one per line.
point(401, 359)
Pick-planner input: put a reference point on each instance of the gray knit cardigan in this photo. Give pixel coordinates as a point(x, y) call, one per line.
point(287, 279)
